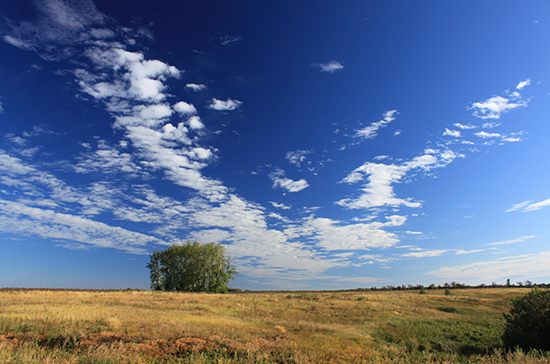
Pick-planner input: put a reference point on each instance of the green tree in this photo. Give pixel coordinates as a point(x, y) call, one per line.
point(191, 267)
point(528, 323)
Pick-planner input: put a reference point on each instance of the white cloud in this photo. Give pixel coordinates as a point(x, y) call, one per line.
point(279, 180)
point(331, 67)
point(297, 157)
point(519, 206)
point(425, 254)
point(279, 205)
point(513, 241)
point(453, 133)
point(490, 125)
point(537, 206)
point(369, 132)
point(195, 123)
point(32, 221)
point(514, 267)
point(108, 160)
point(522, 84)
point(379, 192)
point(461, 126)
point(183, 108)
point(228, 104)
point(494, 107)
point(462, 252)
point(485, 135)
point(195, 87)
point(335, 235)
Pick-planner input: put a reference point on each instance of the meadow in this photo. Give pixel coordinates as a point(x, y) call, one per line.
point(92, 327)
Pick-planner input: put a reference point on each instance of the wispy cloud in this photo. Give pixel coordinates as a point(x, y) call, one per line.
point(228, 39)
point(279, 205)
point(369, 132)
point(226, 105)
point(514, 241)
point(462, 126)
point(515, 267)
point(522, 84)
point(279, 180)
point(462, 252)
point(537, 206)
point(330, 67)
point(425, 254)
point(195, 87)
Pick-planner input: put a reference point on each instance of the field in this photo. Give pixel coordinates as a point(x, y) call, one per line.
point(56, 326)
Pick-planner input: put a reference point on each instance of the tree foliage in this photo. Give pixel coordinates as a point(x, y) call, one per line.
point(528, 323)
point(191, 267)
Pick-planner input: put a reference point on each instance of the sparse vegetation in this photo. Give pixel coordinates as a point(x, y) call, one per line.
point(43, 326)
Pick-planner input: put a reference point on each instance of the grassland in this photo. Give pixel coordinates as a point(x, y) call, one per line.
point(52, 326)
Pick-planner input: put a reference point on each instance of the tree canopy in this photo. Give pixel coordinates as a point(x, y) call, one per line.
point(191, 267)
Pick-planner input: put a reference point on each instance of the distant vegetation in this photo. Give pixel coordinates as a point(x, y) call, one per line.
point(360, 326)
point(191, 267)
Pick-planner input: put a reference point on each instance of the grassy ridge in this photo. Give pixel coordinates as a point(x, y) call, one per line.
point(42, 326)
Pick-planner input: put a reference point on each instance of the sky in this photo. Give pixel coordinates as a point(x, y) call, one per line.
point(327, 145)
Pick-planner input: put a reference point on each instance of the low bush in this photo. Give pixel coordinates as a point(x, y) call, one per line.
point(528, 323)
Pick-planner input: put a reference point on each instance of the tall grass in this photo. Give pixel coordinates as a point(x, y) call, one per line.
point(42, 326)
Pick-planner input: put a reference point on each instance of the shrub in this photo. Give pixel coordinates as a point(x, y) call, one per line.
point(448, 292)
point(449, 309)
point(528, 323)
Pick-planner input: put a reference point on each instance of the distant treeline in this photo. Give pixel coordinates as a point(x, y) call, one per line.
point(455, 285)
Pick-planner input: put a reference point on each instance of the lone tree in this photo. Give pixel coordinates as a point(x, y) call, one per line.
point(191, 267)
point(528, 323)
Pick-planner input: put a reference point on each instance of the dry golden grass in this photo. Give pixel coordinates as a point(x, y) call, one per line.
point(46, 326)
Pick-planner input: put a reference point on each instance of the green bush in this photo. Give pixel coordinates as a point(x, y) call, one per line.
point(449, 309)
point(528, 323)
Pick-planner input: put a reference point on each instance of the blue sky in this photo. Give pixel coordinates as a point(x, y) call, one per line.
point(328, 146)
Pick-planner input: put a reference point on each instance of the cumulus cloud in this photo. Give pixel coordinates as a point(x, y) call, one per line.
point(226, 105)
point(453, 133)
point(279, 180)
point(335, 235)
point(494, 107)
point(183, 108)
point(330, 67)
point(378, 191)
point(369, 132)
